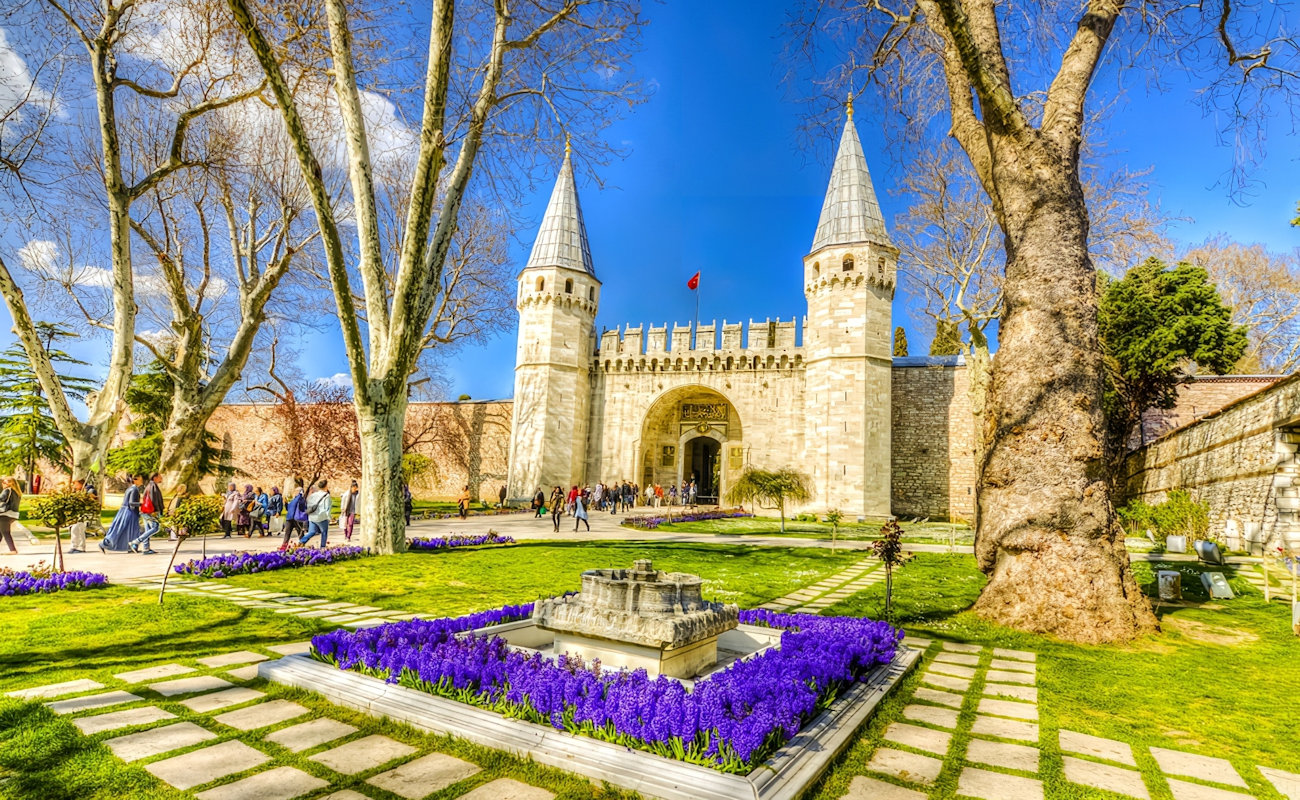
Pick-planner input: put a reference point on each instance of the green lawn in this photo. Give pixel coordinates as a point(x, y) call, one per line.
point(459, 581)
point(913, 532)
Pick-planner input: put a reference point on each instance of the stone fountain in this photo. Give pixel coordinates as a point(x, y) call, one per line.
point(639, 618)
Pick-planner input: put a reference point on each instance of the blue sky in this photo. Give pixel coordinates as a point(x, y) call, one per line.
point(716, 179)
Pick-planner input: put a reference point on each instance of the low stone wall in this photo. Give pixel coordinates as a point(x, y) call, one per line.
point(933, 452)
point(1241, 459)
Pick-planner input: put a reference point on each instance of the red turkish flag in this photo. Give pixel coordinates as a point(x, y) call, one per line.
point(694, 282)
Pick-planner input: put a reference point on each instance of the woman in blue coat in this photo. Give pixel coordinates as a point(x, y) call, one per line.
point(126, 523)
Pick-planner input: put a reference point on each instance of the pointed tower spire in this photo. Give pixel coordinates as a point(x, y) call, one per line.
point(562, 238)
point(850, 213)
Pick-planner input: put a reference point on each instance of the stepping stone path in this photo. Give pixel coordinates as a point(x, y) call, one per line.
point(829, 591)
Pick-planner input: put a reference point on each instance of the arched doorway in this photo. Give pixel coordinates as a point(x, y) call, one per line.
point(691, 432)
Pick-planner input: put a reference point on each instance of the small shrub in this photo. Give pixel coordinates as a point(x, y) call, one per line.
point(61, 509)
point(1178, 515)
point(196, 516)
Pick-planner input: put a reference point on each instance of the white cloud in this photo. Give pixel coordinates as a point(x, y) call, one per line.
point(43, 258)
point(340, 379)
point(17, 85)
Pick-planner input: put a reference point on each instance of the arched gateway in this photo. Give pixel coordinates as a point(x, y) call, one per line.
point(691, 433)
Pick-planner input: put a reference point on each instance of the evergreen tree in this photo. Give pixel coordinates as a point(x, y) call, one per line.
point(28, 432)
point(1158, 326)
point(947, 338)
point(900, 341)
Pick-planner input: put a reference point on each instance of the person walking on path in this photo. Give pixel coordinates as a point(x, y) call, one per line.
point(318, 514)
point(580, 512)
point(539, 503)
point(230, 510)
point(77, 533)
point(557, 507)
point(295, 523)
point(462, 503)
point(262, 513)
point(126, 523)
point(10, 499)
point(151, 509)
point(244, 518)
point(275, 510)
point(348, 510)
point(501, 495)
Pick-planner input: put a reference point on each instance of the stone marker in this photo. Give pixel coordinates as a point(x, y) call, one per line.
point(207, 764)
point(281, 783)
point(1002, 754)
point(926, 739)
point(201, 683)
point(228, 697)
point(153, 673)
point(55, 689)
point(1216, 585)
point(89, 702)
point(1208, 552)
point(1074, 742)
point(508, 789)
point(121, 719)
point(1104, 776)
point(261, 715)
point(1175, 544)
point(231, 659)
point(904, 765)
point(157, 741)
point(864, 788)
point(425, 775)
point(363, 754)
point(1193, 765)
point(1171, 584)
point(307, 735)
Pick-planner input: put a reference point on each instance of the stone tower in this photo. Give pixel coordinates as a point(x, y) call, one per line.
point(558, 296)
point(849, 282)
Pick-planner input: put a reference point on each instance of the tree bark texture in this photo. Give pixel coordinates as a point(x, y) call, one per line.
point(383, 519)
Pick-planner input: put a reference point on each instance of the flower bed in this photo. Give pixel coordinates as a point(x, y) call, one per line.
point(18, 583)
point(244, 563)
point(731, 720)
point(651, 523)
point(448, 542)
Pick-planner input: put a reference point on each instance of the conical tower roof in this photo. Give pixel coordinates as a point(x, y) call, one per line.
point(850, 213)
point(562, 239)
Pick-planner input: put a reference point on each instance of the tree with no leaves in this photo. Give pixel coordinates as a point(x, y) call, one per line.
point(497, 76)
point(1010, 83)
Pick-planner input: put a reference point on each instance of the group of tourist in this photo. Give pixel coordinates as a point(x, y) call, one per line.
point(614, 497)
point(305, 517)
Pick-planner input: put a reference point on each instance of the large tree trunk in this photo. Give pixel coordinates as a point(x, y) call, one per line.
point(383, 521)
point(1047, 536)
point(182, 443)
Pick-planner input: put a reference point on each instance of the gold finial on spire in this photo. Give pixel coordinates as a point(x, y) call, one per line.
point(850, 104)
point(568, 146)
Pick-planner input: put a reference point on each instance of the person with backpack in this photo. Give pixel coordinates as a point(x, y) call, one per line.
point(295, 523)
point(10, 499)
point(274, 510)
point(262, 512)
point(318, 514)
point(151, 509)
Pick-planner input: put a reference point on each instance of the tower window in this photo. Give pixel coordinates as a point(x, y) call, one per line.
point(848, 263)
point(817, 269)
point(541, 284)
point(880, 267)
point(591, 294)
point(568, 286)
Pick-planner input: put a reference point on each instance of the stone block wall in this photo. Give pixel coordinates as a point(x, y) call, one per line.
point(933, 458)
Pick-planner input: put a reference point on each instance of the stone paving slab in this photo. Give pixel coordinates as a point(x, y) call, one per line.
point(281, 783)
point(207, 764)
point(90, 702)
point(343, 618)
point(362, 609)
point(943, 717)
point(319, 612)
point(1005, 676)
point(153, 673)
point(957, 658)
point(1109, 749)
point(1014, 690)
point(1182, 790)
point(156, 741)
point(1286, 783)
point(507, 789)
point(1194, 765)
point(365, 623)
point(917, 642)
point(56, 689)
point(946, 681)
point(955, 670)
point(243, 673)
point(1005, 728)
point(927, 739)
point(291, 649)
point(996, 786)
point(261, 715)
point(121, 719)
point(942, 698)
point(907, 766)
point(1018, 655)
point(363, 754)
point(201, 683)
point(1001, 754)
point(306, 735)
point(959, 647)
point(346, 794)
point(1104, 776)
point(205, 703)
point(425, 775)
point(1012, 666)
point(1009, 708)
point(231, 659)
point(864, 788)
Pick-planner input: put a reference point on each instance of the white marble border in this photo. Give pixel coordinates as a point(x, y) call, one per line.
point(785, 776)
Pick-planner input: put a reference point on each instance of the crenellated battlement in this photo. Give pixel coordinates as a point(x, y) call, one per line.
point(767, 344)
